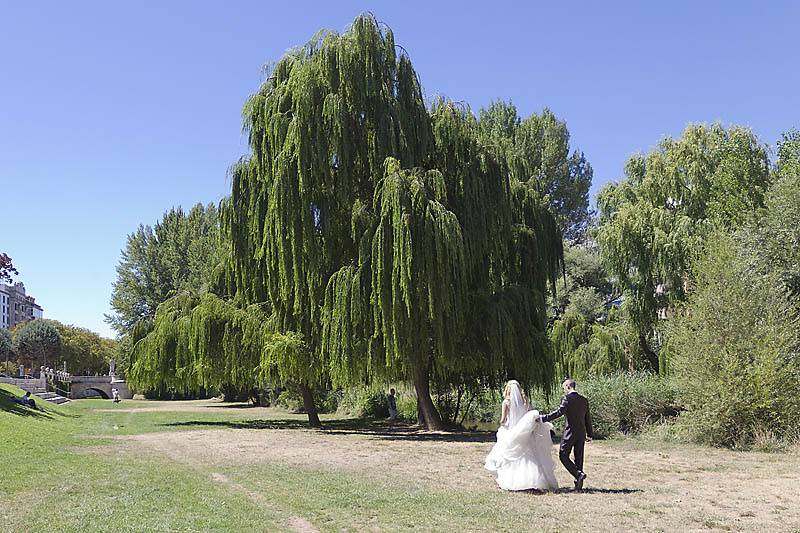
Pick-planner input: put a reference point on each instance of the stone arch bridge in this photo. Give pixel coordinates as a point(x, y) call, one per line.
point(88, 386)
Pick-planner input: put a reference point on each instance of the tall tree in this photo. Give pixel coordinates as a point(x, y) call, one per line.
point(178, 253)
point(356, 261)
point(537, 149)
point(653, 223)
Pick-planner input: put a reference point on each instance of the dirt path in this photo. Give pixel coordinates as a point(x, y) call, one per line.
point(667, 487)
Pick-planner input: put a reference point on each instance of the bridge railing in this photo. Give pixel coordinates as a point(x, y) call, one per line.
point(58, 381)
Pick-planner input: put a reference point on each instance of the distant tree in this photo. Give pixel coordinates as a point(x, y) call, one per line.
point(537, 148)
point(654, 222)
point(586, 347)
point(6, 346)
point(589, 335)
point(6, 268)
point(83, 350)
point(586, 287)
point(179, 253)
point(37, 343)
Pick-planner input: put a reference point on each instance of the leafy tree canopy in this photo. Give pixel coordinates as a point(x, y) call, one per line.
point(370, 233)
point(586, 289)
point(84, 351)
point(536, 148)
point(654, 222)
point(178, 253)
point(735, 349)
point(37, 342)
point(6, 346)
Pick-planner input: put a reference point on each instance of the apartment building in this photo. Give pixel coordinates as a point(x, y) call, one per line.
point(16, 306)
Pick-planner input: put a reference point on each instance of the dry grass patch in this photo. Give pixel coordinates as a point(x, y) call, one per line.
point(632, 483)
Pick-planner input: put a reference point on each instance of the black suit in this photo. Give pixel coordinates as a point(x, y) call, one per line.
point(577, 428)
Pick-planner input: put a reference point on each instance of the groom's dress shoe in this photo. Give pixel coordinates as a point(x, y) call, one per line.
point(579, 481)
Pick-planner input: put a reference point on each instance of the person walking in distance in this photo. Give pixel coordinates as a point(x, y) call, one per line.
point(392, 405)
point(577, 430)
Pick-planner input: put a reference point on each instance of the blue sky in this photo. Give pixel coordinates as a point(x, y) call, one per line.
point(111, 113)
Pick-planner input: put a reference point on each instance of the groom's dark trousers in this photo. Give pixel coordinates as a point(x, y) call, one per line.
point(579, 424)
point(568, 446)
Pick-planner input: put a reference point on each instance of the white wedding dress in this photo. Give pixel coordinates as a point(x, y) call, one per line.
point(522, 457)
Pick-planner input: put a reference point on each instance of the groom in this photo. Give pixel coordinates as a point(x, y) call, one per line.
point(576, 430)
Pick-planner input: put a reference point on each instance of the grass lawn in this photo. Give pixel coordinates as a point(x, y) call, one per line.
point(206, 466)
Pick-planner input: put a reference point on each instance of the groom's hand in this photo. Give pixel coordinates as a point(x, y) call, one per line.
point(588, 438)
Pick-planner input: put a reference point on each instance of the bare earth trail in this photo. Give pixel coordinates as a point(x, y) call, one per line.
point(633, 484)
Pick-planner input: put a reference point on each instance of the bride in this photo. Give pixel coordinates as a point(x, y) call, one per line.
point(522, 457)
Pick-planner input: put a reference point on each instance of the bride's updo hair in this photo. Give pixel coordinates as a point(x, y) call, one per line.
point(507, 391)
point(507, 388)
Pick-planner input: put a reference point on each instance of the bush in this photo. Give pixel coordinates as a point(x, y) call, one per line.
point(628, 402)
point(291, 400)
point(735, 350)
point(623, 402)
point(371, 402)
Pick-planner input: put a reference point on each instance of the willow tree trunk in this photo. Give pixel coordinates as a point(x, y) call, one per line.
point(308, 405)
point(427, 415)
point(650, 355)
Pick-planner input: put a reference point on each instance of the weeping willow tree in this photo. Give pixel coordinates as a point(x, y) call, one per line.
point(450, 279)
point(344, 266)
point(654, 222)
point(583, 348)
point(205, 342)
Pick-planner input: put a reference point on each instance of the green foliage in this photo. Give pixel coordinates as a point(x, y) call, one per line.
point(735, 350)
point(6, 268)
point(788, 163)
point(416, 276)
point(37, 343)
point(654, 223)
point(371, 402)
point(584, 348)
point(83, 350)
point(536, 149)
point(8, 368)
point(6, 345)
point(179, 253)
point(775, 239)
point(586, 287)
point(206, 342)
point(628, 402)
point(370, 271)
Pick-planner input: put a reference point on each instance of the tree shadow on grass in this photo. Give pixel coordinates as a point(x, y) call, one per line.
point(237, 405)
point(9, 405)
point(350, 426)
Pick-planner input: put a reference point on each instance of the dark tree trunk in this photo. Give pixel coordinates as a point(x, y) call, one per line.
point(652, 357)
point(308, 405)
point(427, 415)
